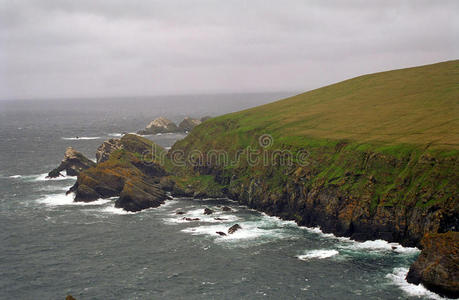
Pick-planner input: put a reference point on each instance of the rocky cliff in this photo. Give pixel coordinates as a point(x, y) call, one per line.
point(129, 171)
point(437, 267)
point(73, 163)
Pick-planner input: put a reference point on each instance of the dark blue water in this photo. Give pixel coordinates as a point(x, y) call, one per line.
point(51, 247)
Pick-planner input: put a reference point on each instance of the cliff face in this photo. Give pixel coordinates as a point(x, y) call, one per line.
point(346, 191)
point(437, 267)
point(371, 157)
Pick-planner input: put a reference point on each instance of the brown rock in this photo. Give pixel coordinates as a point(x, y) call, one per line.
point(437, 267)
point(234, 228)
point(73, 163)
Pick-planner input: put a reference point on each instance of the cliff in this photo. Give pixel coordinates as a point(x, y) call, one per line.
point(374, 157)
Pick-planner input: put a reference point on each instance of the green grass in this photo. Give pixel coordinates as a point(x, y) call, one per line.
point(417, 106)
point(386, 138)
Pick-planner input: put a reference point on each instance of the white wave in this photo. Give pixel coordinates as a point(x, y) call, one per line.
point(168, 203)
point(54, 188)
point(81, 138)
point(398, 278)
point(381, 246)
point(244, 233)
point(319, 254)
point(63, 199)
point(117, 211)
point(42, 177)
point(15, 176)
point(116, 134)
point(369, 246)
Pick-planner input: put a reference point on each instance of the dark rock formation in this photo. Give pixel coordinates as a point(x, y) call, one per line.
point(221, 233)
point(437, 267)
point(180, 213)
point(73, 163)
point(103, 151)
point(159, 125)
point(208, 211)
point(226, 208)
point(188, 124)
point(191, 219)
point(69, 297)
point(234, 228)
point(220, 219)
point(124, 174)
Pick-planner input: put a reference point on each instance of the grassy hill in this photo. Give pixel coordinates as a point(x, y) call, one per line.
point(418, 106)
point(382, 155)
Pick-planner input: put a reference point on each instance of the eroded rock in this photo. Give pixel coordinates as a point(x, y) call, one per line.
point(73, 163)
point(437, 267)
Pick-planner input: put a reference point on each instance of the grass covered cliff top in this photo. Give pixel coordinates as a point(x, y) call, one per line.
point(415, 106)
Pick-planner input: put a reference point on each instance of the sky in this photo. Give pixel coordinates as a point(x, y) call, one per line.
point(90, 48)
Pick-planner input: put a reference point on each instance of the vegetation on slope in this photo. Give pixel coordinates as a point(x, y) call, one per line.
point(381, 144)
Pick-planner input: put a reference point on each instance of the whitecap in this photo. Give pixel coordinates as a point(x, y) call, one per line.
point(42, 177)
point(15, 176)
point(117, 211)
point(398, 278)
point(116, 134)
point(81, 138)
point(318, 254)
point(54, 188)
point(63, 199)
point(380, 246)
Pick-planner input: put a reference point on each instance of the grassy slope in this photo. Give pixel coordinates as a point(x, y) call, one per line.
point(413, 106)
point(408, 117)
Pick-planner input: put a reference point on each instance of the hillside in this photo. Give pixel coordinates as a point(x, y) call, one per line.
point(415, 106)
point(381, 153)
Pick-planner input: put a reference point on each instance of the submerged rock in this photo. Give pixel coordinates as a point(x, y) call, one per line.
point(208, 211)
point(226, 208)
point(159, 125)
point(73, 163)
point(191, 219)
point(189, 123)
point(437, 267)
point(234, 228)
point(221, 233)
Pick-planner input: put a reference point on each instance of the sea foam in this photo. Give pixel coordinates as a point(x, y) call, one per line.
point(318, 254)
point(398, 278)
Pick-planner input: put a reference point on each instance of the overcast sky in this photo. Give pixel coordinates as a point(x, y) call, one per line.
point(80, 48)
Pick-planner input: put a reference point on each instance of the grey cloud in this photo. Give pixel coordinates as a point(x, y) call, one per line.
point(57, 48)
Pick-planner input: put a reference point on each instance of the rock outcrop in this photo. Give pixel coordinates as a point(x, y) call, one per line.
point(73, 163)
point(159, 125)
point(188, 124)
point(125, 174)
point(437, 267)
point(234, 228)
point(103, 151)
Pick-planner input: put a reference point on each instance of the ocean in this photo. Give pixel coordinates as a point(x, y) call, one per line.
point(51, 247)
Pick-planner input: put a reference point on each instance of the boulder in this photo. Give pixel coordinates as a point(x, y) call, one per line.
point(437, 267)
point(191, 219)
point(220, 219)
point(73, 163)
point(188, 124)
point(103, 151)
point(226, 208)
point(208, 211)
point(221, 233)
point(159, 125)
point(234, 228)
